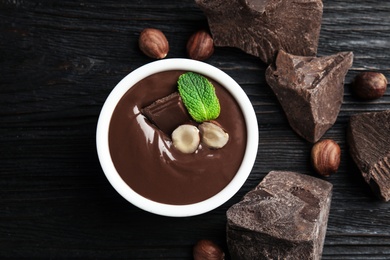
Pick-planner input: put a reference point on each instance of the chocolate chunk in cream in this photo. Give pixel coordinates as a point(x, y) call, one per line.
point(284, 217)
point(369, 146)
point(167, 113)
point(262, 27)
point(310, 90)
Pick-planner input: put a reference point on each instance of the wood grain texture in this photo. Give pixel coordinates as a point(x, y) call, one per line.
point(59, 60)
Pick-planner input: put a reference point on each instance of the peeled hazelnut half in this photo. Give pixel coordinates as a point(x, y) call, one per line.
point(213, 135)
point(153, 43)
point(186, 138)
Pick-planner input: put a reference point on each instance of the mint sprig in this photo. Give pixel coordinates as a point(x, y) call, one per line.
point(198, 95)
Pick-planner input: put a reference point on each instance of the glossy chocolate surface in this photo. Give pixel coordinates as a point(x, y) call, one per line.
point(146, 159)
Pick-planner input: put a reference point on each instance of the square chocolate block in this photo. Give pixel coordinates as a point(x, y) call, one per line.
point(167, 113)
point(284, 217)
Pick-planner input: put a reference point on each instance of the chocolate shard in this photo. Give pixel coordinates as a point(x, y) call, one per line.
point(167, 113)
point(284, 217)
point(310, 90)
point(368, 138)
point(262, 27)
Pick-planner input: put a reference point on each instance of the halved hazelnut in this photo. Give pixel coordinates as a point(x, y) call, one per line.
point(213, 135)
point(186, 138)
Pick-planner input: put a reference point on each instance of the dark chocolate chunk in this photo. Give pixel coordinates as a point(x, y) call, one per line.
point(284, 217)
point(261, 28)
point(167, 113)
point(369, 146)
point(310, 90)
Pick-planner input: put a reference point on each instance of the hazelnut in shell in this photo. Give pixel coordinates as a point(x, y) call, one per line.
point(369, 85)
point(325, 157)
point(200, 45)
point(207, 250)
point(153, 43)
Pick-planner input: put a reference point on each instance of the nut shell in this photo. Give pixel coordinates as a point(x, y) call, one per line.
point(207, 250)
point(325, 156)
point(200, 45)
point(153, 43)
point(369, 85)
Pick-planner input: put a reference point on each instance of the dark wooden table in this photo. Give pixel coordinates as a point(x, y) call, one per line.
point(59, 60)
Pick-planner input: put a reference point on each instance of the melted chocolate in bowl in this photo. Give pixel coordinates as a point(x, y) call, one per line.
point(147, 161)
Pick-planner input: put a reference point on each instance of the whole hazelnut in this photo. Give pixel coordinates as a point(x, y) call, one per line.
point(369, 85)
point(325, 157)
point(200, 45)
point(207, 250)
point(153, 43)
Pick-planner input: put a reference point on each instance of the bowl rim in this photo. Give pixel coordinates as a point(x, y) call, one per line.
point(158, 208)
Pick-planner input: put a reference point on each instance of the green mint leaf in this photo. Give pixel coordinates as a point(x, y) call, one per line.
point(198, 95)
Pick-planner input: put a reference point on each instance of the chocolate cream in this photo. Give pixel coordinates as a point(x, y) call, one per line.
point(148, 162)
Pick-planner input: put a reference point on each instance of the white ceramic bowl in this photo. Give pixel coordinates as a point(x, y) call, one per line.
point(165, 209)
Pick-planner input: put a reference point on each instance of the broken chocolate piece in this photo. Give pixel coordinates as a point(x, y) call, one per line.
point(261, 28)
point(284, 217)
point(369, 146)
point(310, 90)
point(167, 113)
